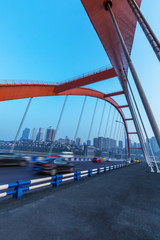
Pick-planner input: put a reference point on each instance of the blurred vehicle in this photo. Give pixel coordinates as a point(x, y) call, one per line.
point(53, 155)
point(67, 155)
point(97, 160)
point(137, 160)
point(7, 159)
point(108, 160)
point(53, 166)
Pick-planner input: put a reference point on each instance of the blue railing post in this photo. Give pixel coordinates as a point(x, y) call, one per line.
point(105, 169)
point(98, 171)
point(77, 176)
point(110, 168)
point(19, 190)
point(57, 181)
point(90, 173)
point(53, 181)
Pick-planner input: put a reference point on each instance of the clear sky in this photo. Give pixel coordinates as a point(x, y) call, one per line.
point(55, 41)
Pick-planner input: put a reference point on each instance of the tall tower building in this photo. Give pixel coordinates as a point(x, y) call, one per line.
point(120, 144)
point(40, 134)
point(95, 142)
point(33, 134)
point(50, 134)
point(101, 143)
point(25, 134)
point(78, 141)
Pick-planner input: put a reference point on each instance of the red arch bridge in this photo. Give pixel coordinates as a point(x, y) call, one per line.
point(116, 36)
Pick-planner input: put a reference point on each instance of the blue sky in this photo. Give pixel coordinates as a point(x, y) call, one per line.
point(54, 41)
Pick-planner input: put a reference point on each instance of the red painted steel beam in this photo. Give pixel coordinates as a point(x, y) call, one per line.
point(129, 119)
point(114, 94)
point(96, 77)
point(123, 106)
point(104, 28)
point(18, 91)
point(132, 133)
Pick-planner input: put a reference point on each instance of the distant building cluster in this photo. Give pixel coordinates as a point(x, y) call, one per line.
point(41, 135)
point(38, 135)
point(41, 138)
point(105, 143)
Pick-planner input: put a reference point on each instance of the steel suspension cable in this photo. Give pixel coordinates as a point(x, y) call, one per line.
point(111, 127)
point(137, 124)
point(125, 143)
point(60, 117)
point(107, 121)
point(142, 123)
point(145, 151)
point(80, 117)
point(92, 119)
point(137, 111)
point(102, 118)
point(112, 123)
point(116, 126)
point(120, 132)
point(20, 126)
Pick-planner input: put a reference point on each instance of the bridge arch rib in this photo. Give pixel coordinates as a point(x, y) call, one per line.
point(19, 91)
point(97, 94)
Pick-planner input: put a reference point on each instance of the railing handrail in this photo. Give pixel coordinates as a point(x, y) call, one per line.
point(12, 81)
point(20, 185)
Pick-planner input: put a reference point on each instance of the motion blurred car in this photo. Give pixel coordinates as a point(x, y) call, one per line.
point(97, 160)
point(52, 166)
point(52, 155)
point(109, 160)
point(11, 159)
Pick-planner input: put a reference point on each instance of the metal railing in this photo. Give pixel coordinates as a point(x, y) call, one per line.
point(23, 186)
point(7, 81)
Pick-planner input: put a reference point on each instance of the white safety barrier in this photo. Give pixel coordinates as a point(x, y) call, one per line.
point(21, 186)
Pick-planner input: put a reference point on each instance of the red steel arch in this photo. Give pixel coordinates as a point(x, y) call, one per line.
point(97, 94)
point(18, 91)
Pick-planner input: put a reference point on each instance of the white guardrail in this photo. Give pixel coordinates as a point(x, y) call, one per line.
point(22, 186)
point(76, 159)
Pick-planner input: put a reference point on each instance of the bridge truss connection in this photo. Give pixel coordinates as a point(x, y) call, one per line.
point(114, 22)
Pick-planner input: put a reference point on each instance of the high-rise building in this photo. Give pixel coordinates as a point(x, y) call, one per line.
point(120, 144)
point(101, 143)
point(67, 140)
point(50, 134)
point(95, 142)
point(33, 134)
point(40, 134)
point(89, 142)
point(109, 143)
point(154, 144)
point(25, 134)
point(78, 141)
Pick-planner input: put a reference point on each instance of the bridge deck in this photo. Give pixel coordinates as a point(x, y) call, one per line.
point(122, 204)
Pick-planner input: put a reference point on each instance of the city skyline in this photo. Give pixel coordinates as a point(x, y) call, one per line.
point(100, 142)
